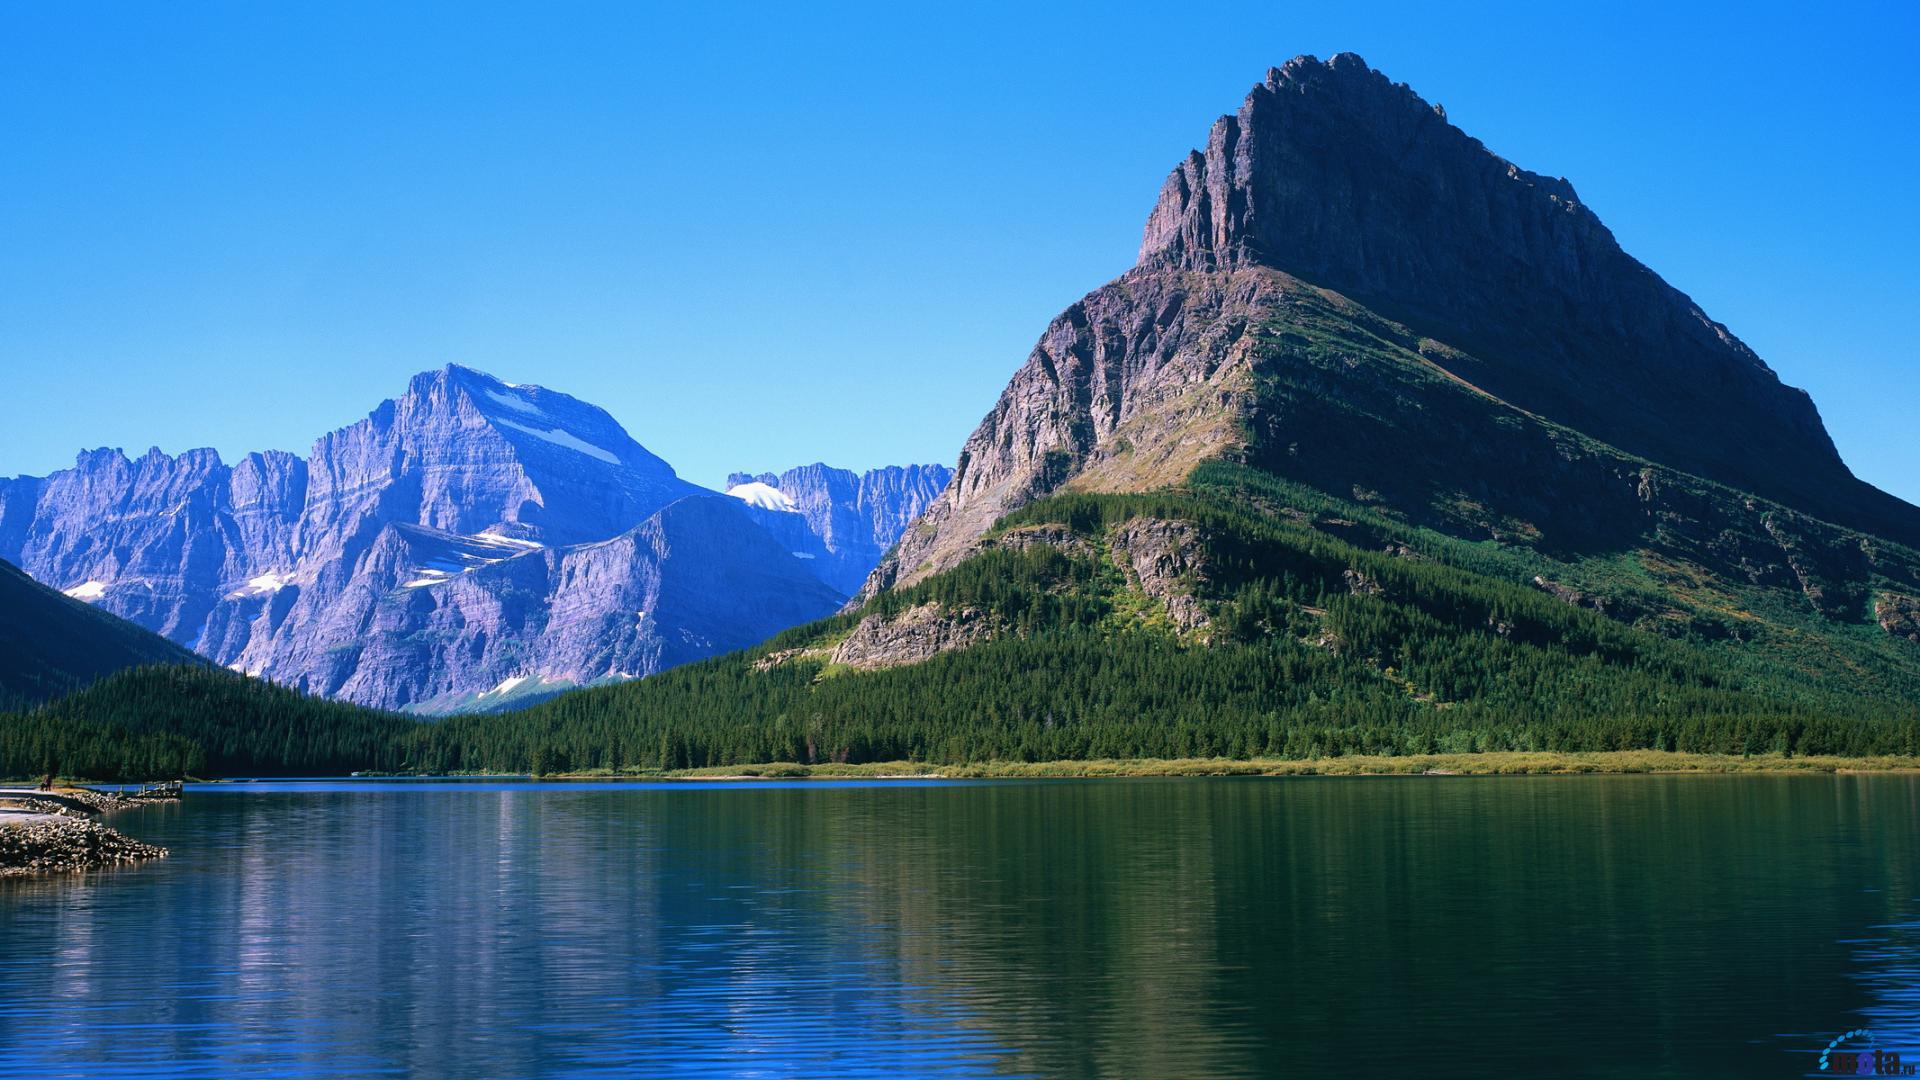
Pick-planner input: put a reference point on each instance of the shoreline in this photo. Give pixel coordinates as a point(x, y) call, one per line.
point(41, 836)
point(1497, 763)
point(1489, 763)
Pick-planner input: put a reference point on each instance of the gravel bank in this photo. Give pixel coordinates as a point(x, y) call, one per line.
point(49, 843)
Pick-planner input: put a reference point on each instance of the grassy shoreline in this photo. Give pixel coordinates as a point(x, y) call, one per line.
point(1482, 764)
point(1500, 763)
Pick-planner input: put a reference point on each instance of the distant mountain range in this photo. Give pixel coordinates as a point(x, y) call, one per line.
point(469, 544)
point(842, 521)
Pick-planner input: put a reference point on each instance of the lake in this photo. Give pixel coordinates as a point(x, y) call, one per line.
point(1556, 926)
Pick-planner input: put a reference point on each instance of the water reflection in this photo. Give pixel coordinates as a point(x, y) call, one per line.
point(1624, 926)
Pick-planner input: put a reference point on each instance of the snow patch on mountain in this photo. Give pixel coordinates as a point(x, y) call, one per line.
point(512, 402)
point(497, 540)
point(562, 437)
point(262, 585)
point(506, 685)
point(444, 557)
point(763, 496)
point(428, 576)
point(87, 590)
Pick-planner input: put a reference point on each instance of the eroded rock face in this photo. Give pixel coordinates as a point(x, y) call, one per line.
point(462, 452)
point(1898, 615)
point(1167, 561)
point(1567, 594)
point(1058, 537)
point(916, 634)
point(1128, 390)
point(153, 539)
point(1359, 584)
point(694, 579)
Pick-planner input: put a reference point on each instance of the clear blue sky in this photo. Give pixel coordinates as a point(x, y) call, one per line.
point(765, 236)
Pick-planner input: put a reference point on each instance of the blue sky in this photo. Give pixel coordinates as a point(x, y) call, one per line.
point(767, 236)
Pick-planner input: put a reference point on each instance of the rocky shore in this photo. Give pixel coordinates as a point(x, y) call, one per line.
point(54, 831)
point(51, 843)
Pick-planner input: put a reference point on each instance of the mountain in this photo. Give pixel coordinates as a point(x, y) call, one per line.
point(52, 644)
point(841, 521)
point(462, 452)
point(1335, 176)
point(1337, 217)
point(470, 544)
point(1384, 445)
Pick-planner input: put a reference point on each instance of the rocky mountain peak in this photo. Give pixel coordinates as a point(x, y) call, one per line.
point(1334, 174)
point(463, 451)
point(525, 415)
point(1240, 200)
point(1335, 212)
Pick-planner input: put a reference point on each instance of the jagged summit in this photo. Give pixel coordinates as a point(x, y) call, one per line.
point(1337, 245)
point(1336, 175)
point(528, 415)
point(1214, 213)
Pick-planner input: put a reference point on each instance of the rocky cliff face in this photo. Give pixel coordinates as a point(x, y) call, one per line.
point(842, 522)
point(434, 621)
point(154, 539)
point(916, 634)
point(1898, 615)
point(467, 536)
point(1345, 289)
point(462, 452)
point(1129, 389)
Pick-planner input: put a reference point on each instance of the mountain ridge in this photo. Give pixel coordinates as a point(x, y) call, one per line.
point(363, 571)
point(846, 521)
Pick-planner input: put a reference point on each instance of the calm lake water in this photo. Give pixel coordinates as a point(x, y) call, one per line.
point(1578, 926)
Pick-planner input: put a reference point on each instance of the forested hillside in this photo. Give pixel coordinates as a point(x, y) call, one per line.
point(1295, 643)
point(1304, 645)
point(173, 721)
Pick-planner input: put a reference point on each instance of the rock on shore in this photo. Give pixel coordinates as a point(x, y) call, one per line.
point(50, 844)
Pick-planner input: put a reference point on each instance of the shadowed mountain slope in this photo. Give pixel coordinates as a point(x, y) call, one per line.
point(51, 644)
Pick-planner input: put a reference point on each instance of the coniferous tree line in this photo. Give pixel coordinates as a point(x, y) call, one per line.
point(1318, 647)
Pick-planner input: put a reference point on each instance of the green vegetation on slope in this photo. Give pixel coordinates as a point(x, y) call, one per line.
point(1430, 658)
point(1370, 432)
point(196, 720)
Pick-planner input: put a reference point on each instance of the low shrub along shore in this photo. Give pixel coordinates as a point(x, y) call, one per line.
point(1478, 764)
